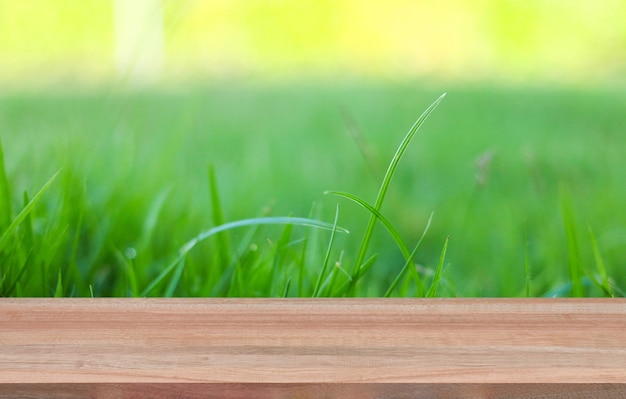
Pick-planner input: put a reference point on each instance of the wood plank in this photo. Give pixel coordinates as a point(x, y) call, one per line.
point(313, 348)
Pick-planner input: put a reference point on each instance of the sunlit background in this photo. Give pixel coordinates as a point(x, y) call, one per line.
point(156, 41)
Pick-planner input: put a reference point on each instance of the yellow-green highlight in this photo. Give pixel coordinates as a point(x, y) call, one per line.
point(578, 42)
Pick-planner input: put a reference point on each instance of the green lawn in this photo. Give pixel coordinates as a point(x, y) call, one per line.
point(516, 177)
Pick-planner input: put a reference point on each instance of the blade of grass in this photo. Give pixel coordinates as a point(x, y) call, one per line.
point(302, 265)
point(528, 277)
point(286, 290)
point(343, 290)
point(366, 150)
point(316, 290)
point(239, 223)
point(73, 265)
point(246, 253)
point(11, 229)
point(393, 165)
point(309, 240)
point(409, 262)
point(432, 291)
point(575, 266)
point(229, 283)
point(25, 249)
point(605, 284)
point(366, 266)
point(259, 221)
point(565, 289)
point(29, 238)
point(5, 194)
point(54, 240)
point(178, 272)
point(151, 220)
point(392, 231)
point(329, 282)
point(58, 292)
point(223, 240)
point(128, 270)
point(279, 256)
point(17, 278)
point(161, 276)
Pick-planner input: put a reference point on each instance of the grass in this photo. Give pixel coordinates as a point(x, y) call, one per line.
point(203, 192)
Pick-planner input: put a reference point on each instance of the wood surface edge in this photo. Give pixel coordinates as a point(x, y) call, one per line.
point(314, 391)
point(609, 311)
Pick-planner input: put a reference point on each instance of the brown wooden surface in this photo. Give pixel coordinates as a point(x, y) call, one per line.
point(322, 348)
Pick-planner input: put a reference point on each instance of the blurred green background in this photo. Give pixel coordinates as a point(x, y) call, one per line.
point(133, 100)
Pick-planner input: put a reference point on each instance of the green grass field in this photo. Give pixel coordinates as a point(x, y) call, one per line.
point(527, 183)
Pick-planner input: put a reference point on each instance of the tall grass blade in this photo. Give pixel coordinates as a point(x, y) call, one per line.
point(318, 283)
point(11, 229)
point(229, 283)
point(129, 272)
point(302, 266)
point(408, 265)
point(5, 194)
point(527, 272)
point(16, 280)
point(392, 231)
point(245, 255)
point(366, 266)
point(432, 291)
point(393, 165)
point(76, 241)
point(259, 221)
point(575, 264)
point(161, 276)
point(286, 291)
point(279, 254)
point(328, 284)
point(151, 220)
point(58, 292)
point(343, 289)
point(565, 289)
point(309, 240)
point(28, 239)
point(178, 272)
point(604, 284)
point(364, 147)
point(239, 223)
point(223, 239)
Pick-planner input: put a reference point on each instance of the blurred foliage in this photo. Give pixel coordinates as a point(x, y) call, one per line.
point(489, 163)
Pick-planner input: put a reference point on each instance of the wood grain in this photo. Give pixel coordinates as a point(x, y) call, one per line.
point(322, 348)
